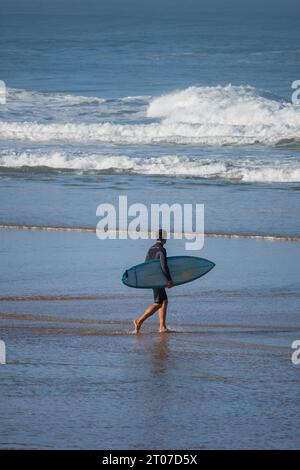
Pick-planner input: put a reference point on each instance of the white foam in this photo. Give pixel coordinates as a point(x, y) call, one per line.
point(243, 170)
point(219, 115)
point(43, 98)
point(225, 105)
point(228, 115)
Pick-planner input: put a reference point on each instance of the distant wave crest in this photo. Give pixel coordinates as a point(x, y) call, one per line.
point(241, 169)
point(221, 115)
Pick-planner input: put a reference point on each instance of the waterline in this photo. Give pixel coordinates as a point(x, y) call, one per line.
point(60, 228)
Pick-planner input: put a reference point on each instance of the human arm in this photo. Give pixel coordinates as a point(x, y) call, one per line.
point(165, 267)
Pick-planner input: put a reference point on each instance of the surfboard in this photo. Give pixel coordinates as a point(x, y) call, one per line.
point(183, 269)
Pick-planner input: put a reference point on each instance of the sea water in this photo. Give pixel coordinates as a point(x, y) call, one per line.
point(168, 104)
point(165, 101)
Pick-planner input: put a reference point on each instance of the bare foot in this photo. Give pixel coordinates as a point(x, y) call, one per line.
point(136, 326)
point(164, 330)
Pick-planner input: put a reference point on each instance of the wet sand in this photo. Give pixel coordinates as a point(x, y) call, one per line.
point(76, 377)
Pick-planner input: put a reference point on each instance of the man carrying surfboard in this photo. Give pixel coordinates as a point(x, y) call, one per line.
point(157, 251)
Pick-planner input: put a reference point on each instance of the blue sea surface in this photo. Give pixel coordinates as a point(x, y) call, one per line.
point(112, 97)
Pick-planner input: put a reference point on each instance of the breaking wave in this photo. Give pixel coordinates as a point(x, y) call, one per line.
point(239, 169)
point(221, 115)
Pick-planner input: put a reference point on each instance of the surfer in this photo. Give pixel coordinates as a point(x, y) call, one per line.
point(157, 251)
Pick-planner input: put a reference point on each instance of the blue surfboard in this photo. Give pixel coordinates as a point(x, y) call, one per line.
point(183, 269)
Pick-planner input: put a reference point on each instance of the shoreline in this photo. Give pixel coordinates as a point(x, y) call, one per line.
point(57, 228)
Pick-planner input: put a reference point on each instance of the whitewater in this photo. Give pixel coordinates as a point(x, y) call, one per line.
point(243, 170)
point(222, 115)
point(155, 135)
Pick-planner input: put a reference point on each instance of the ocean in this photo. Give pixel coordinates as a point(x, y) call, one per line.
point(193, 107)
point(164, 102)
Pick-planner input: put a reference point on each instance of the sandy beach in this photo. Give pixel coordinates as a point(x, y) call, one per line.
point(76, 377)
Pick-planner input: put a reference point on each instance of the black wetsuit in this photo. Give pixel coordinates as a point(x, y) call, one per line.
point(157, 251)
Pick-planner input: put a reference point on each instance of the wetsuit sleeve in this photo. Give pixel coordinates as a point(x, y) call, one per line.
point(164, 264)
